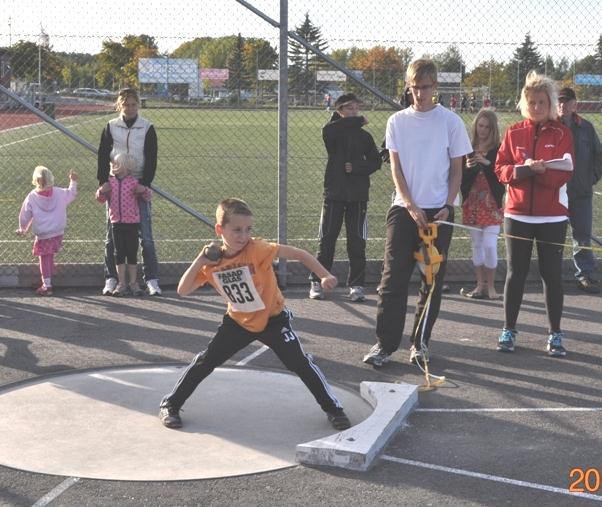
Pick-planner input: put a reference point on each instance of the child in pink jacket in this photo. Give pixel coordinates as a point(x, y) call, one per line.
point(45, 211)
point(124, 215)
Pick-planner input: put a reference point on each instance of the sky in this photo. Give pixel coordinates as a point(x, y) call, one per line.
point(482, 30)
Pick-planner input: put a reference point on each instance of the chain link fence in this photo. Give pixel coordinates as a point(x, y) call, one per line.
point(208, 77)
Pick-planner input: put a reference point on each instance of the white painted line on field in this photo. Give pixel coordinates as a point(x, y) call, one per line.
point(28, 139)
point(54, 131)
point(495, 478)
point(477, 410)
point(60, 489)
point(252, 356)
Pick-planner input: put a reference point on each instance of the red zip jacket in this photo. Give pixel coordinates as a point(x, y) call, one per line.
point(536, 194)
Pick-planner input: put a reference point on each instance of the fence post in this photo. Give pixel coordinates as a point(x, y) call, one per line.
point(282, 136)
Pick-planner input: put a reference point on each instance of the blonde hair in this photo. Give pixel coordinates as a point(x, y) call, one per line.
point(42, 178)
point(421, 69)
point(535, 83)
point(494, 129)
point(231, 206)
point(125, 160)
point(125, 94)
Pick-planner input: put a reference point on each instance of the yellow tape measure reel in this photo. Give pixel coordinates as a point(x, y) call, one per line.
point(427, 256)
point(429, 261)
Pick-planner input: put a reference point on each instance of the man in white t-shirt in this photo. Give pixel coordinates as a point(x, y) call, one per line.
point(426, 143)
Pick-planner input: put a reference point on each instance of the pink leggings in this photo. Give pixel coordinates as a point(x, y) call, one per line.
point(46, 265)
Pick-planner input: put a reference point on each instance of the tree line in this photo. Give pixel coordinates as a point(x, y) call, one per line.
point(116, 65)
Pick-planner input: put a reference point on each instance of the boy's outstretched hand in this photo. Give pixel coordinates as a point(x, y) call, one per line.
point(329, 282)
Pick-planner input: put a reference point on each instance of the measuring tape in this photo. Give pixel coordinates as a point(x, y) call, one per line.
point(504, 235)
point(429, 261)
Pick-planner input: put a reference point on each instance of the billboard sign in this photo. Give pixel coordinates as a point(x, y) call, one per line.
point(268, 74)
point(588, 79)
point(449, 77)
point(214, 74)
point(168, 70)
point(331, 76)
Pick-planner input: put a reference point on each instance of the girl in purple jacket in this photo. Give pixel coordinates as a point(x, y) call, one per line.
point(45, 211)
point(124, 215)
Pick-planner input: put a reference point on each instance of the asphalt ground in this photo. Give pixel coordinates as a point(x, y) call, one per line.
point(516, 429)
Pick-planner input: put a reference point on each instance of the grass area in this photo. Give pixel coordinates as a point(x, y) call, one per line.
point(204, 155)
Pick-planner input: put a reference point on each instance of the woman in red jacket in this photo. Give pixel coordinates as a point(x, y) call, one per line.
point(536, 205)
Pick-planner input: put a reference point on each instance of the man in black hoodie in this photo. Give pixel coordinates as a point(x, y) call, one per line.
point(352, 158)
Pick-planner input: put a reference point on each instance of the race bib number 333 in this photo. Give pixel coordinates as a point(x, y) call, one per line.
point(237, 286)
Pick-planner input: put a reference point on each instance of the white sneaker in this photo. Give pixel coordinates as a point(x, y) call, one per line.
point(153, 287)
point(357, 294)
point(110, 286)
point(316, 291)
point(419, 355)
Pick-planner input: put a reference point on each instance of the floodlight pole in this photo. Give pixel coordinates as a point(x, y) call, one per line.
point(43, 40)
point(518, 79)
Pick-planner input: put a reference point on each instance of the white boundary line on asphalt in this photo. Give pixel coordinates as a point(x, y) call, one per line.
point(252, 356)
point(60, 489)
point(476, 410)
point(494, 478)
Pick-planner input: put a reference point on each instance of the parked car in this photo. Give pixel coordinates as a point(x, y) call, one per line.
point(92, 93)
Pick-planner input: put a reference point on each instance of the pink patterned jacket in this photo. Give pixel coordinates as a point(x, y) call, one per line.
point(123, 202)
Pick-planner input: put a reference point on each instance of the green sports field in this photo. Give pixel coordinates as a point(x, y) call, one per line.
point(204, 156)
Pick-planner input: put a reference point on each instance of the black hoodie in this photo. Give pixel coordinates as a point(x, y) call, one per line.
point(346, 141)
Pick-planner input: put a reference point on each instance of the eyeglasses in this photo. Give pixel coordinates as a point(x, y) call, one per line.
point(422, 88)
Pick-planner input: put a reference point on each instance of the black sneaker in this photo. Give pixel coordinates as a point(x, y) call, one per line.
point(377, 356)
point(338, 419)
point(589, 285)
point(170, 416)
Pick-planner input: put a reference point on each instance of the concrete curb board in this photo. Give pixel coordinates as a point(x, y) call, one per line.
point(358, 447)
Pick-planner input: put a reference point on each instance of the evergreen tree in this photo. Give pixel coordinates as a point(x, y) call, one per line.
point(598, 56)
point(525, 59)
point(238, 78)
point(304, 63)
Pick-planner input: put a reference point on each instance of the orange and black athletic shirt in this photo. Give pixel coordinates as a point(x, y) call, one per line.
point(248, 283)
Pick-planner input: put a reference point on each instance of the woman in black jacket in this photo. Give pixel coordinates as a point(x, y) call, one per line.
point(482, 196)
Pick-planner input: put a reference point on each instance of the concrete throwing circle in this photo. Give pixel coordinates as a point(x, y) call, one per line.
point(103, 424)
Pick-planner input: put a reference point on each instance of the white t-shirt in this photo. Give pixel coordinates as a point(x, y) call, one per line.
point(426, 143)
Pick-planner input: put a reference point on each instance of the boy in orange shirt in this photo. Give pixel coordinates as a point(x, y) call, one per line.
point(241, 271)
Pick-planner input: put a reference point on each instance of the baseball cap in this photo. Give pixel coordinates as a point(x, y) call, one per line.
point(567, 94)
point(346, 98)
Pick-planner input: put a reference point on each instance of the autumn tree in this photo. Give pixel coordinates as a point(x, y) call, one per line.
point(382, 67)
point(120, 59)
point(258, 54)
point(28, 59)
point(492, 75)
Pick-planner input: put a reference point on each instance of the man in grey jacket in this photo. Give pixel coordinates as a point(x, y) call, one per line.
point(587, 172)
